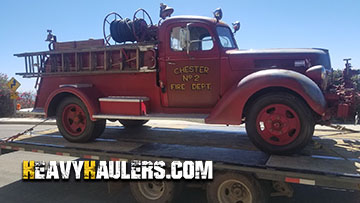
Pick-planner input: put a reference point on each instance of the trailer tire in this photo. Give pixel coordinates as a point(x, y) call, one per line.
point(74, 123)
point(280, 123)
point(234, 187)
point(133, 123)
point(154, 191)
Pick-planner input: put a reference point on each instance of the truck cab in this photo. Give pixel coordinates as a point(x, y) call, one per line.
point(200, 70)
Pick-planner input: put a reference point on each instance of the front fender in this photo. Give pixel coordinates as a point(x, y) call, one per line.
point(88, 95)
point(230, 108)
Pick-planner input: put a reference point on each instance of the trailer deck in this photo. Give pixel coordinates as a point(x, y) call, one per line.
point(331, 160)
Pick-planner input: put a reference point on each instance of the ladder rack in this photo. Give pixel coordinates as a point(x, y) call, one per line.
point(136, 57)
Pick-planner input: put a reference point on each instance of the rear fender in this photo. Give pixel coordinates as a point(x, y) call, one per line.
point(230, 108)
point(89, 96)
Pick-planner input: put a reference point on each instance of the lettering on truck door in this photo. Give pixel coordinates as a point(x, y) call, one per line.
point(192, 78)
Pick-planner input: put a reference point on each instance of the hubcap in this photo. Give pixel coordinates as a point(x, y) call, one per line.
point(278, 124)
point(74, 119)
point(152, 190)
point(234, 191)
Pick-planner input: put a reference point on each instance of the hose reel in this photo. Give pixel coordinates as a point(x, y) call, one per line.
point(126, 30)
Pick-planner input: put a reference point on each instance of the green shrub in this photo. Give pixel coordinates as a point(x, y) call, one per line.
point(6, 104)
point(337, 74)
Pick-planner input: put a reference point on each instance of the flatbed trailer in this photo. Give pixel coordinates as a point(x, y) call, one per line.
point(331, 160)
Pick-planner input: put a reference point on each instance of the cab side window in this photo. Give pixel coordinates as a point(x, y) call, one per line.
point(200, 39)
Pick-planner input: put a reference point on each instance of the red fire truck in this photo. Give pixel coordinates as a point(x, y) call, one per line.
point(185, 67)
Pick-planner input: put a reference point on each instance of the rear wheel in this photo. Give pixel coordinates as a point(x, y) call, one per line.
point(74, 123)
point(100, 126)
point(280, 123)
point(133, 123)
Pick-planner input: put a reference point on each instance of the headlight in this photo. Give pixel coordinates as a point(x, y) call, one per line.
point(323, 73)
point(318, 75)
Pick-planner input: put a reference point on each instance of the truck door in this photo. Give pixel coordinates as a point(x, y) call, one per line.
point(192, 76)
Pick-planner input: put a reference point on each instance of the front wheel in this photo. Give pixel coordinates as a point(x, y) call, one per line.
point(280, 123)
point(74, 123)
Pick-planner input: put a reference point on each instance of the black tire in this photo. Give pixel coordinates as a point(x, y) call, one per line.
point(234, 187)
point(100, 126)
point(85, 133)
point(154, 191)
point(133, 123)
point(281, 137)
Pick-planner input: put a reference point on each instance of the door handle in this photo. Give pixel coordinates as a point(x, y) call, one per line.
point(171, 63)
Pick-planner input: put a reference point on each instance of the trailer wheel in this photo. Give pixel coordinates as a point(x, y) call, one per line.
point(280, 123)
point(74, 123)
point(234, 187)
point(154, 191)
point(133, 123)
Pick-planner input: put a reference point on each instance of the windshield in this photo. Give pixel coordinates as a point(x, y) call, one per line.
point(225, 36)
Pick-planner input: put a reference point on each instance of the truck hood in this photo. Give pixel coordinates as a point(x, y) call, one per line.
point(278, 51)
point(293, 59)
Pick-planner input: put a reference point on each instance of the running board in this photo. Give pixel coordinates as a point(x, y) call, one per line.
point(199, 118)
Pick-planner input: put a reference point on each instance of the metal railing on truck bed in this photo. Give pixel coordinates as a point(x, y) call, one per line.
point(90, 56)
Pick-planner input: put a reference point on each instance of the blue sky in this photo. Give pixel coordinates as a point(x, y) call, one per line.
point(334, 25)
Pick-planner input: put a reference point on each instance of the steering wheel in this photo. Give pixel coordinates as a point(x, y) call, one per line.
point(109, 18)
point(140, 26)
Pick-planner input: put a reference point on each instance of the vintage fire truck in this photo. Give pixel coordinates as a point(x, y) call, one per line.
point(190, 68)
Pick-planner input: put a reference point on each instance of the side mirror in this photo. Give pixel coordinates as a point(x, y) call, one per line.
point(236, 26)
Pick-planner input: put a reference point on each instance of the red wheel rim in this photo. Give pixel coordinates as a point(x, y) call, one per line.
point(74, 119)
point(278, 124)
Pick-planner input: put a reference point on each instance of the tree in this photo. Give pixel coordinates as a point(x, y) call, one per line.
point(356, 81)
point(26, 99)
point(6, 104)
point(337, 78)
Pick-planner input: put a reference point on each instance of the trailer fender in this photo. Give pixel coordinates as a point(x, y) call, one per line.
point(88, 95)
point(231, 106)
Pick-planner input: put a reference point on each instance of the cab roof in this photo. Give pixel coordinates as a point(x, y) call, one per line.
point(191, 18)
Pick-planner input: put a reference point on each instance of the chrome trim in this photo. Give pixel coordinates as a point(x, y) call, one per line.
point(76, 85)
point(199, 118)
point(124, 99)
